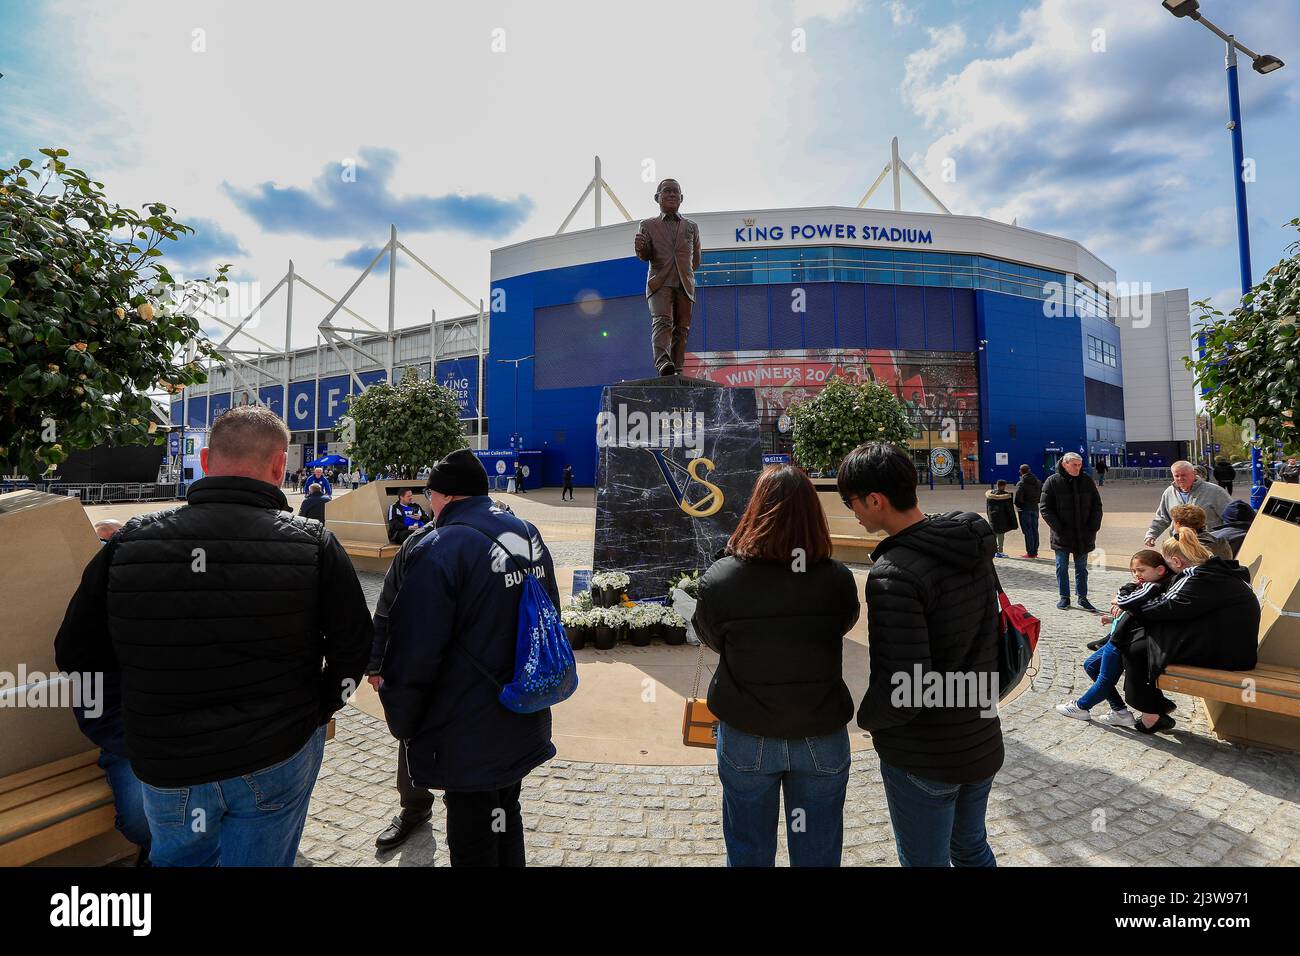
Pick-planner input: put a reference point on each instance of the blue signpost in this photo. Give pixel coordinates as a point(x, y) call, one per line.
point(1263, 64)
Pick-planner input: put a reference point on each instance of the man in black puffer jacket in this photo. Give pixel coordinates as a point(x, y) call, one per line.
point(932, 631)
point(1071, 506)
point(237, 630)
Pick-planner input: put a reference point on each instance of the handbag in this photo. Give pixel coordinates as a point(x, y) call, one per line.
point(1017, 638)
point(699, 726)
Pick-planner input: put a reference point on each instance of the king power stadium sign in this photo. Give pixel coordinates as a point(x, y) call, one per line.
point(853, 232)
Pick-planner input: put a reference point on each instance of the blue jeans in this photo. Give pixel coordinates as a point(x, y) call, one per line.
point(128, 798)
point(253, 820)
point(1063, 573)
point(937, 824)
point(1029, 528)
point(813, 773)
point(1104, 667)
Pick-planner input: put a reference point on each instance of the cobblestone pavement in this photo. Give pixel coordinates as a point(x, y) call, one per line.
point(1070, 793)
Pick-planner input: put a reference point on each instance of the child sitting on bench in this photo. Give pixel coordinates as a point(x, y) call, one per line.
point(1106, 665)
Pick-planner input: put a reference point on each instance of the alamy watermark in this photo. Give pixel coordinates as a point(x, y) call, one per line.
point(922, 689)
point(624, 428)
point(38, 689)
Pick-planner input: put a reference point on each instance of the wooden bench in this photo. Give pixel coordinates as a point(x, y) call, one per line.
point(58, 805)
point(52, 807)
point(368, 556)
point(1269, 687)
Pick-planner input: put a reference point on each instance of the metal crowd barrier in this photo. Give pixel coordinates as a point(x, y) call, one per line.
point(107, 493)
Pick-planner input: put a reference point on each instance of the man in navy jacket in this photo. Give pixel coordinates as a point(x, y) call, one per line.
point(451, 644)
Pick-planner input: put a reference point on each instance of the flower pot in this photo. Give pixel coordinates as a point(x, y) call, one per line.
point(676, 635)
point(640, 636)
point(620, 633)
point(578, 637)
point(605, 597)
point(603, 637)
point(660, 630)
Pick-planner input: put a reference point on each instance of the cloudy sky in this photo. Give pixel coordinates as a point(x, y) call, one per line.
point(302, 130)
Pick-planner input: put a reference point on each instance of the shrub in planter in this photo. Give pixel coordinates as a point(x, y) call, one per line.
point(576, 625)
point(675, 627)
point(607, 588)
point(641, 624)
point(618, 621)
point(602, 630)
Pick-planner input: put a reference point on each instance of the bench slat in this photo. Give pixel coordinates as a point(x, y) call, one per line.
point(26, 778)
point(58, 836)
point(1264, 681)
point(34, 816)
point(50, 786)
point(1230, 694)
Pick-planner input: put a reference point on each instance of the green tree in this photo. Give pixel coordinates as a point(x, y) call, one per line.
point(398, 429)
point(842, 416)
point(91, 320)
point(1250, 366)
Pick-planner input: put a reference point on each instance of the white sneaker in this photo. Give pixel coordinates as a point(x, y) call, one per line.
point(1118, 718)
point(1072, 709)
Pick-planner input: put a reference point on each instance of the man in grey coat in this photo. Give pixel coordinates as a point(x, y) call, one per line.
point(1188, 489)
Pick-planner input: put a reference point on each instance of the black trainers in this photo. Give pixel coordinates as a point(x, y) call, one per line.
point(1163, 724)
point(399, 830)
point(1086, 605)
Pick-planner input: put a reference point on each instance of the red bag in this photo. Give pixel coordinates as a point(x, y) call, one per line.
point(1017, 639)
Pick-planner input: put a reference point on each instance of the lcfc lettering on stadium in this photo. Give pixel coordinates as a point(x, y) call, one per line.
point(837, 230)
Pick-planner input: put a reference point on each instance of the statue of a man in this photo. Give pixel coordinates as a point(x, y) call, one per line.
point(671, 244)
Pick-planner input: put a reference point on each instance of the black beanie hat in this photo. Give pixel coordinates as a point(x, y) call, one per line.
point(460, 473)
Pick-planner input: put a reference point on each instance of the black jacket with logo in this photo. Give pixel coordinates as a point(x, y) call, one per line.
point(932, 610)
point(236, 629)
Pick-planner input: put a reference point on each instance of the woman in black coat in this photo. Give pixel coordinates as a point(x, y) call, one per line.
point(776, 609)
point(1208, 617)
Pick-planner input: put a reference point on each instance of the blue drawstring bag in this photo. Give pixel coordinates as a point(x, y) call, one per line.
point(545, 671)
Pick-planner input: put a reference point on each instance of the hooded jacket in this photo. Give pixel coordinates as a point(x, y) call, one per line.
point(1001, 511)
point(932, 619)
point(1028, 490)
point(1237, 519)
point(457, 603)
point(1071, 506)
point(1207, 617)
point(1224, 472)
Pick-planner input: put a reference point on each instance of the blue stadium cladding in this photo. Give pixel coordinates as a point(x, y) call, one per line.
point(587, 326)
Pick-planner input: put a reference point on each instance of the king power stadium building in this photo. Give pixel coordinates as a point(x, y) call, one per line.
point(1001, 342)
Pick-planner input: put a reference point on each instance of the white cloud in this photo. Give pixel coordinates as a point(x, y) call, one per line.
point(900, 13)
point(1086, 116)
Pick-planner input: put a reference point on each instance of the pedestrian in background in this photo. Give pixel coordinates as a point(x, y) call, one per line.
point(1028, 490)
point(1000, 508)
point(1187, 488)
point(1071, 506)
point(1224, 474)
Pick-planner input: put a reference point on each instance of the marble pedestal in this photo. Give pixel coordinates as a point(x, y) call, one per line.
point(659, 512)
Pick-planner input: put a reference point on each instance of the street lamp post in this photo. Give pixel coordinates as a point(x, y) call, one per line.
point(1262, 64)
point(514, 427)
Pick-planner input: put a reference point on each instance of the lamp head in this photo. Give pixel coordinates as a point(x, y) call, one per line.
point(1267, 63)
point(1184, 8)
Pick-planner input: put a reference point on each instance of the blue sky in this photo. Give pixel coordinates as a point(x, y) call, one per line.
point(474, 125)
